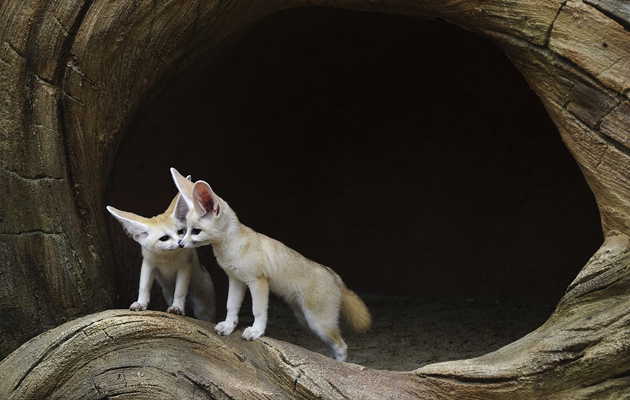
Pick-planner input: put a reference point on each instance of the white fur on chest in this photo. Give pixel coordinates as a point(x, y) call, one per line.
point(168, 263)
point(235, 264)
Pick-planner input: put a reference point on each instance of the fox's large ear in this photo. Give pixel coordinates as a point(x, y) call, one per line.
point(205, 201)
point(133, 224)
point(181, 208)
point(183, 185)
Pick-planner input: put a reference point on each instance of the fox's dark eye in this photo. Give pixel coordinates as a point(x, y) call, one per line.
point(164, 238)
point(181, 232)
point(195, 231)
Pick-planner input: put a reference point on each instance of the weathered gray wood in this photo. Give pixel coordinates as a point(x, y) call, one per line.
point(581, 352)
point(74, 73)
point(157, 354)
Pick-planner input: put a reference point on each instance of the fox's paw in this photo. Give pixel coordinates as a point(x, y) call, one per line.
point(252, 333)
point(224, 328)
point(138, 307)
point(175, 310)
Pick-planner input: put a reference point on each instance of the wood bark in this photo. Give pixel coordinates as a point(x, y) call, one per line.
point(581, 352)
point(73, 74)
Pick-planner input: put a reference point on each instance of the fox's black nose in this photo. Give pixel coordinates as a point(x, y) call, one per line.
point(180, 244)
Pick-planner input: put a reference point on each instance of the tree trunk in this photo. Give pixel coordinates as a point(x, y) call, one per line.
point(74, 73)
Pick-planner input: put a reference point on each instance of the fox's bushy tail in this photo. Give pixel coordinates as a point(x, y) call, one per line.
point(355, 311)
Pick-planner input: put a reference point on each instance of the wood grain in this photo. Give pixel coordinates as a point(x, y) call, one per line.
point(73, 74)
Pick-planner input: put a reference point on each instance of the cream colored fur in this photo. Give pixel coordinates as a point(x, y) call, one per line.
point(255, 261)
point(182, 278)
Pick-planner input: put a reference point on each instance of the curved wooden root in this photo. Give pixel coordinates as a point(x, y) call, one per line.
point(158, 355)
point(581, 352)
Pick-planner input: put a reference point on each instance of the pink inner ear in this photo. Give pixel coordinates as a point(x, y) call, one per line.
point(204, 197)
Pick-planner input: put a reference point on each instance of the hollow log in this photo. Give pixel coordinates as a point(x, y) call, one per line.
point(74, 73)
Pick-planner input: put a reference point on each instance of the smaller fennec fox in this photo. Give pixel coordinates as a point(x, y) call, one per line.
point(255, 261)
point(178, 271)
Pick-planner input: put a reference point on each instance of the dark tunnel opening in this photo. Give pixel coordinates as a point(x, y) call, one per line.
point(407, 154)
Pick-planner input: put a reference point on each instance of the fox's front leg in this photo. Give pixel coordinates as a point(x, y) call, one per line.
point(147, 274)
point(236, 293)
point(181, 290)
point(260, 300)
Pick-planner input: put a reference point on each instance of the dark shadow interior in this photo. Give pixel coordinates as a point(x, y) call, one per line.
point(407, 154)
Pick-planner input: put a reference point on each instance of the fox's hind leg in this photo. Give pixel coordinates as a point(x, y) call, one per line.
point(336, 346)
point(202, 299)
point(325, 325)
point(299, 315)
point(331, 336)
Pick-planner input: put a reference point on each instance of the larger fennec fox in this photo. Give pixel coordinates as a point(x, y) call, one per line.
point(315, 292)
point(182, 278)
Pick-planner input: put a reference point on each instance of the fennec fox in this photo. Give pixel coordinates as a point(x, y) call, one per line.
point(182, 277)
point(315, 292)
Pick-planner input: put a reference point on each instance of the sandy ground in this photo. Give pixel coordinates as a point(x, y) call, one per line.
point(410, 332)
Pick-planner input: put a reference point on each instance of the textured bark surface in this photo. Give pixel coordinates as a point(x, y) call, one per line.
point(158, 355)
point(74, 73)
point(581, 352)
